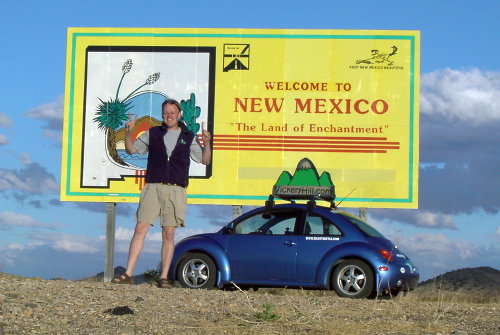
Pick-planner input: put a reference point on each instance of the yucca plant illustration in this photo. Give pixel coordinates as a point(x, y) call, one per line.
point(112, 114)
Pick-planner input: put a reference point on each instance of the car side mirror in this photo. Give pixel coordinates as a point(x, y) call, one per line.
point(229, 229)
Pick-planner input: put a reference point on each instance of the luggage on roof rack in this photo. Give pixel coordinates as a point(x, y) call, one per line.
point(311, 201)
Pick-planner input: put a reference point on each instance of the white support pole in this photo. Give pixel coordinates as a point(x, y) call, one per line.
point(110, 242)
point(237, 211)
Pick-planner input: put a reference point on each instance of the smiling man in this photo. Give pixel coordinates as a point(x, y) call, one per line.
point(170, 148)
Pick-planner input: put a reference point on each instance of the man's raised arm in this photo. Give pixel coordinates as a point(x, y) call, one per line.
point(129, 142)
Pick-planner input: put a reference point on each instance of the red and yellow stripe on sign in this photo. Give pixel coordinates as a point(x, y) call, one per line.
point(358, 144)
point(140, 178)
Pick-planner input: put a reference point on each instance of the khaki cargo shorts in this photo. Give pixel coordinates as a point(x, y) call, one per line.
point(165, 201)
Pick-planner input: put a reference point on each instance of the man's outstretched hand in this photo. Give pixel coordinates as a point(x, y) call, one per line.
point(130, 123)
point(205, 134)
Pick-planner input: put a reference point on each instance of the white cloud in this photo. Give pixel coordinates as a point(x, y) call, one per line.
point(8, 220)
point(437, 246)
point(122, 234)
point(152, 244)
point(74, 244)
point(69, 242)
point(10, 252)
point(155, 237)
point(434, 220)
point(421, 218)
point(14, 246)
point(33, 179)
point(373, 221)
point(56, 241)
point(185, 232)
point(25, 159)
point(55, 136)
point(434, 254)
point(218, 215)
point(459, 144)
point(51, 112)
point(470, 96)
point(3, 139)
point(5, 121)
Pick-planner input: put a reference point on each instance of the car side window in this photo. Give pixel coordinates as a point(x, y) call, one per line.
point(268, 223)
point(317, 225)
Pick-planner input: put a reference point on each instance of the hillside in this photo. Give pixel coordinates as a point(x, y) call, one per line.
point(118, 270)
point(485, 280)
point(468, 285)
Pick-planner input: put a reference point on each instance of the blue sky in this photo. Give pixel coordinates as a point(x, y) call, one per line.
point(457, 224)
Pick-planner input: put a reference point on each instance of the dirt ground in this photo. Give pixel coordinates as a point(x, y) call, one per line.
point(34, 306)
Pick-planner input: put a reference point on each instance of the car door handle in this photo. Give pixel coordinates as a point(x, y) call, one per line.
point(290, 243)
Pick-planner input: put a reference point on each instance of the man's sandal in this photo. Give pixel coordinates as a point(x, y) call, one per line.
point(123, 279)
point(163, 283)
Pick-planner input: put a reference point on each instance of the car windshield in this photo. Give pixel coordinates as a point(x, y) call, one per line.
point(363, 226)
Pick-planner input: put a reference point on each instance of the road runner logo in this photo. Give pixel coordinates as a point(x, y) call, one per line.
point(378, 60)
point(236, 57)
point(305, 183)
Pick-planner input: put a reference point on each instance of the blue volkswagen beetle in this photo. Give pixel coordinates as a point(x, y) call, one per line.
point(295, 245)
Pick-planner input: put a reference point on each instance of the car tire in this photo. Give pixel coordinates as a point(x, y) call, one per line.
point(197, 271)
point(353, 279)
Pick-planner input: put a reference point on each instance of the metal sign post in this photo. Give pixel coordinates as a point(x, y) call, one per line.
point(110, 241)
point(237, 211)
point(363, 214)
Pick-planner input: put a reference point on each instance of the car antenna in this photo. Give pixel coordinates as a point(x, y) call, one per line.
point(338, 205)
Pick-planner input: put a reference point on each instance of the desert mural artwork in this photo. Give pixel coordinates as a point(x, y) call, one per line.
point(345, 99)
point(141, 103)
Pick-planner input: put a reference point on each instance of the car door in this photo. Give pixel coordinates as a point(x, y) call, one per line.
point(319, 235)
point(262, 248)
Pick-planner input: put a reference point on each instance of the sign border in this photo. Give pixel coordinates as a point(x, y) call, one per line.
point(73, 38)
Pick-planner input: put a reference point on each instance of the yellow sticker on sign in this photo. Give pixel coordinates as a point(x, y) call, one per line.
point(345, 100)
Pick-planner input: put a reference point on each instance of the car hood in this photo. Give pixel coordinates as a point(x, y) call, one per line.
point(198, 236)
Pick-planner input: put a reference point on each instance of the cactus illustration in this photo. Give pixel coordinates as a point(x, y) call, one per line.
point(190, 112)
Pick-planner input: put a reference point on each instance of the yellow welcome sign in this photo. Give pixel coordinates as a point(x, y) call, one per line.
point(346, 100)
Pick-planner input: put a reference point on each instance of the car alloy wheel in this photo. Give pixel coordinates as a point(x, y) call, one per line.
point(196, 271)
point(353, 279)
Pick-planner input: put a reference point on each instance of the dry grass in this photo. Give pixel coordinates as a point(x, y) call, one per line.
point(419, 295)
point(459, 296)
point(50, 307)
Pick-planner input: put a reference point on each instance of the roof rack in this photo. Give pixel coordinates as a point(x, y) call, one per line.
point(311, 201)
